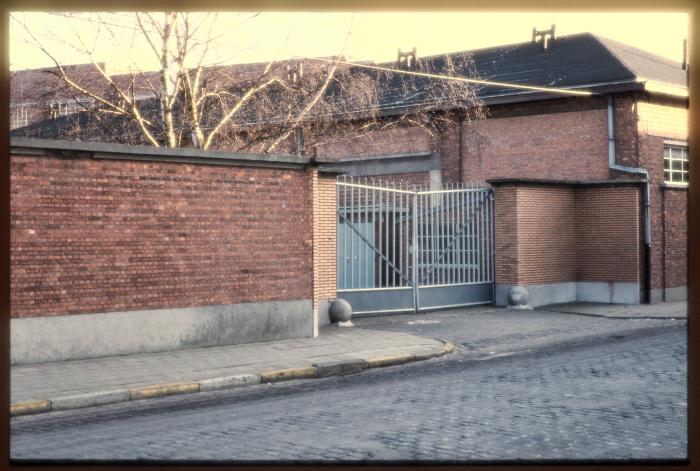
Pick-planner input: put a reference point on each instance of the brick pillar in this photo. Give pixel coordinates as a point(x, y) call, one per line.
point(324, 245)
point(505, 233)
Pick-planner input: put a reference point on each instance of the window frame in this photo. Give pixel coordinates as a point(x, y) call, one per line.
point(676, 176)
point(19, 117)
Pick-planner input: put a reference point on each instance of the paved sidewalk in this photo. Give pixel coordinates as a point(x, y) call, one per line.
point(41, 387)
point(481, 332)
point(672, 310)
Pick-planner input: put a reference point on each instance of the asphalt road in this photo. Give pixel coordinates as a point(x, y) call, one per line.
point(618, 398)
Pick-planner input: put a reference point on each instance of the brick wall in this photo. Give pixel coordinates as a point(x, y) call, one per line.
point(553, 144)
point(450, 153)
point(103, 235)
point(659, 120)
point(662, 117)
point(534, 230)
point(675, 244)
point(324, 227)
point(377, 143)
point(546, 235)
point(420, 179)
point(625, 116)
point(608, 234)
point(505, 234)
point(563, 233)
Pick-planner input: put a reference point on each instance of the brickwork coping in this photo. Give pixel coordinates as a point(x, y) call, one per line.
point(97, 150)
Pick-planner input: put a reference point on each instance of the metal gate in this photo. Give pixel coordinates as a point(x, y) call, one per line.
point(403, 248)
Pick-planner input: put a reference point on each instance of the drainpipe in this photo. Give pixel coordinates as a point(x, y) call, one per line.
point(647, 207)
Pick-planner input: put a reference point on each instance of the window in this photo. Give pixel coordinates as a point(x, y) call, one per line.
point(19, 118)
point(675, 164)
point(66, 108)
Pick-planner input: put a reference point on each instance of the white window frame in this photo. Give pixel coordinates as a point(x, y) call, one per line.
point(20, 117)
point(69, 107)
point(675, 155)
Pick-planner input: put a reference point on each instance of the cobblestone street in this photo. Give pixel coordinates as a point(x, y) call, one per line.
point(624, 398)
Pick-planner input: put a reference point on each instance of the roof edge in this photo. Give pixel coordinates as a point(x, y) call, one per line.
point(98, 150)
point(601, 41)
point(574, 183)
point(663, 88)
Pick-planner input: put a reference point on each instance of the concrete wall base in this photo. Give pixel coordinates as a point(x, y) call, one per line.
point(679, 293)
point(80, 336)
point(614, 293)
point(322, 312)
point(550, 293)
point(553, 293)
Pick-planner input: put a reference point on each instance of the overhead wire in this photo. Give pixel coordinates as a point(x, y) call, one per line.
point(459, 79)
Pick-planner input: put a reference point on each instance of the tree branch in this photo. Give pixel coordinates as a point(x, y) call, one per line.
point(251, 91)
point(305, 111)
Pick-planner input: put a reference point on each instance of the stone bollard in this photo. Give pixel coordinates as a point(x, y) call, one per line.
point(340, 311)
point(518, 298)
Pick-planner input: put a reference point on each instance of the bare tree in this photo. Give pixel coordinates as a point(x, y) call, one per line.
point(291, 105)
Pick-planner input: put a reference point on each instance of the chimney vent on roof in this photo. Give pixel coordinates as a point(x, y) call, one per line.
point(406, 60)
point(542, 36)
point(295, 72)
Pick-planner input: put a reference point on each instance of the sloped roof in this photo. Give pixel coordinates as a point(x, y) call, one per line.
point(644, 64)
point(579, 61)
point(569, 61)
point(33, 85)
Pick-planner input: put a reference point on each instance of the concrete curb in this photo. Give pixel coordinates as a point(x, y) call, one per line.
point(390, 360)
point(316, 370)
point(31, 407)
point(228, 382)
point(90, 399)
point(287, 374)
point(160, 390)
point(339, 368)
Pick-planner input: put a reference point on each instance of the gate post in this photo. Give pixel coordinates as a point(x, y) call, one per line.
point(323, 194)
point(414, 245)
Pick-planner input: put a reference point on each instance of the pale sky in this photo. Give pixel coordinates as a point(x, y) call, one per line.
point(358, 35)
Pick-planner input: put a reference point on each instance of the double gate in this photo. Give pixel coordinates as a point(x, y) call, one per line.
point(402, 248)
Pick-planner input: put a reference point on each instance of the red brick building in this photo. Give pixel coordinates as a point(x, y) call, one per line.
point(632, 126)
point(590, 205)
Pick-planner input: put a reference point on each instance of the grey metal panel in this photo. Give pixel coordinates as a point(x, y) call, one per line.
point(398, 299)
point(453, 295)
point(439, 224)
point(387, 165)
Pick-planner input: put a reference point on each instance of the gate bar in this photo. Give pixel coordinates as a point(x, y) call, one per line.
point(416, 299)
